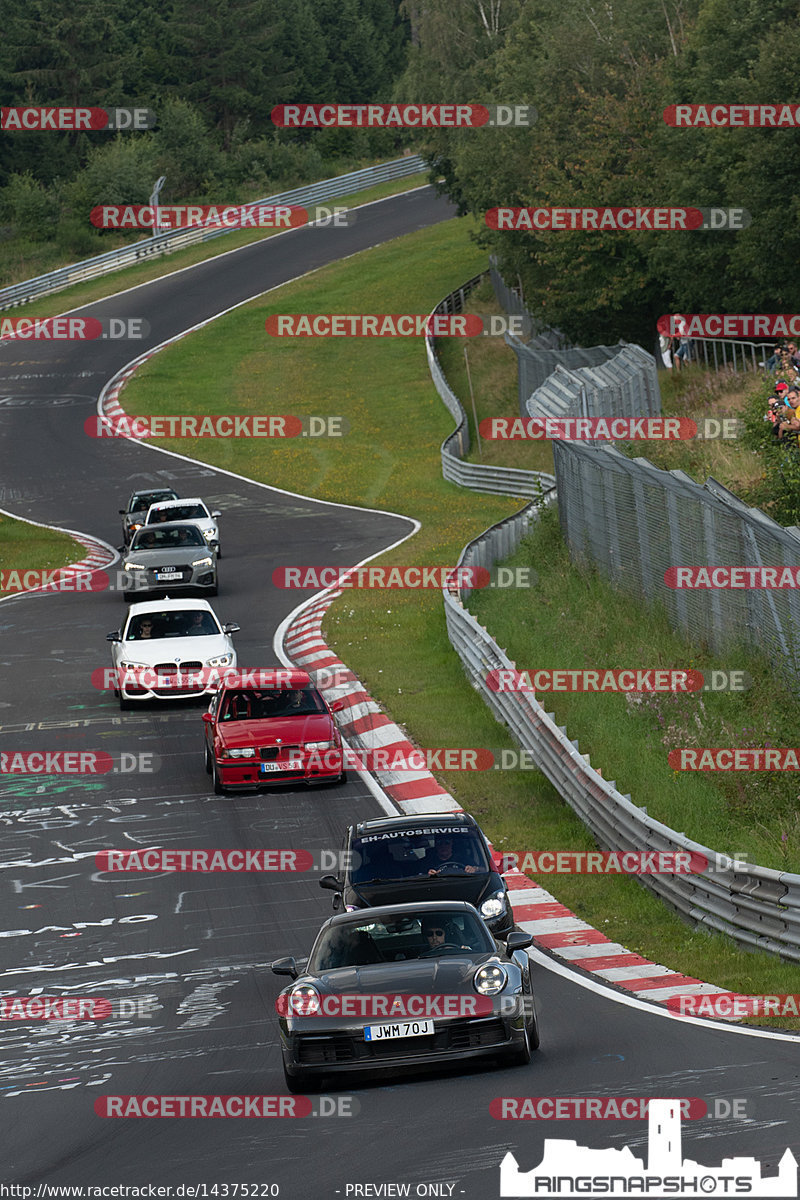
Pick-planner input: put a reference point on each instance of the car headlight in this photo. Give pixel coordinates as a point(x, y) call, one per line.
point(303, 1001)
point(208, 534)
point(319, 745)
point(130, 666)
point(245, 752)
point(134, 525)
point(493, 906)
point(202, 562)
point(132, 566)
point(490, 980)
point(222, 660)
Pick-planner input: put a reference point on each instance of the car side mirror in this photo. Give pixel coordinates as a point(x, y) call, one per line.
point(122, 511)
point(285, 966)
point(517, 940)
point(216, 513)
point(337, 705)
point(231, 627)
point(114, 637)
point(330, 883)
point(208, 718)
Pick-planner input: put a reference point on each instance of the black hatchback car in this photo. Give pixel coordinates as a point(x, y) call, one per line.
point(408, 860)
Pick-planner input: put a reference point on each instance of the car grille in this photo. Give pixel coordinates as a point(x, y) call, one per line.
point(337, 1048)
point(171, 668)
point(270, 753)
point(456, 1036)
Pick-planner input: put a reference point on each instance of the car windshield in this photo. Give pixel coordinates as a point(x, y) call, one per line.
point(406, 854)
point(142, 500)
point(428, 935)
point(259, 705)
point(171, 624)
point(170, 538)
point(180, 512)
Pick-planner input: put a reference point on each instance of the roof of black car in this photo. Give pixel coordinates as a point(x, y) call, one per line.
point(401, 910)
point(380, 824)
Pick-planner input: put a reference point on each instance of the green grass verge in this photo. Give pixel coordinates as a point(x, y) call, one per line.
point(396, 641)
point(81, 294)
point(26, 547)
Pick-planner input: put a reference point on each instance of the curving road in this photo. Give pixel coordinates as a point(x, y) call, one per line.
point(197, 948)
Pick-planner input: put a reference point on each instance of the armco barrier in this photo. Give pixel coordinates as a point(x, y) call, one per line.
point(755, 906)
point(177, 239)
point(504, 481)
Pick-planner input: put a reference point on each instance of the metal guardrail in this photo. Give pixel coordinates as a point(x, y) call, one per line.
point(177, 239)
point(756, 906)
point(721, 354)
point(480, 477)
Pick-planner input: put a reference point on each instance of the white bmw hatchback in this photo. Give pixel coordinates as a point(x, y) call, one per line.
point(170, 650)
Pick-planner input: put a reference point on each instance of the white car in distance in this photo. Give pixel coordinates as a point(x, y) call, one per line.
point(193, 511)
point(170, 650)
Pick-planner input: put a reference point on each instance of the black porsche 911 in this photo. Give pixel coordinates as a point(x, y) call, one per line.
point(401, 986)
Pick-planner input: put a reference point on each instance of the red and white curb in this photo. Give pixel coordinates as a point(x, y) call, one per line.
point(554, 927)
point(98, 555)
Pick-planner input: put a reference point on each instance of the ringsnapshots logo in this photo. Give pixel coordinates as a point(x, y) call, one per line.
point(570, 1170)
point(367, 325)
point(73, 329)
point(74, 120)
point(219, 425)
point(729, 116)
point(403, 116)
point(616, 220)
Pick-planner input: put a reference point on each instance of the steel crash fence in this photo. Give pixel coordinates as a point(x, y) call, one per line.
point(178, 239)
point(756, 906)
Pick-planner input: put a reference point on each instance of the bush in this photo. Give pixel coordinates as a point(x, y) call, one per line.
point(29, 206)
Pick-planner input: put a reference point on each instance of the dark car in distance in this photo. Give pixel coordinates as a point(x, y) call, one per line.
point(405, 860)
point(133, 516)
point(405, 986)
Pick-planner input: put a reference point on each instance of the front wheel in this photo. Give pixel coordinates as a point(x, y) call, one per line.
point(216, 782)
point(208, 760)
point(297, 1084)
point(520, 1056)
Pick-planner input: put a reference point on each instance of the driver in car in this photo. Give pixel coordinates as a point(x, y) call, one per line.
point(443, 854)
point(439, 933)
